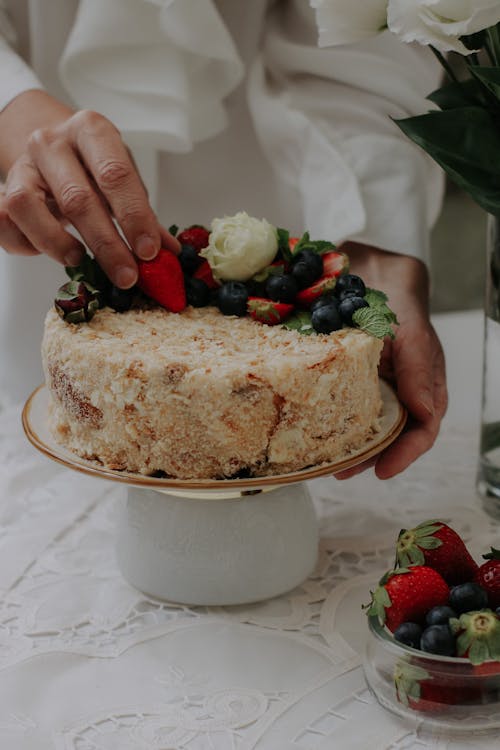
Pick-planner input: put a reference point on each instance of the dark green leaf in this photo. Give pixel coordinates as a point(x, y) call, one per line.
point(489, 77)
point(459, 94)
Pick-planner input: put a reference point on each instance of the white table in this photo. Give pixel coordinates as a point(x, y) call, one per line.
point(88, 663)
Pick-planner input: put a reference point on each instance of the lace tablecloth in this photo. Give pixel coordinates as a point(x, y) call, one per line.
point(89, 663)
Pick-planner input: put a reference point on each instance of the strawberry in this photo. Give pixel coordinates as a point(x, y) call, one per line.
point(407, 594)
point(204, 273)
point(478, 639)
point(292, 241)
point(196, 236)
point(267, 311)
point(435, 544)
point(162, 280)
point(430, 692)
point(335, 263)
point(306, 296)
point(488, 576)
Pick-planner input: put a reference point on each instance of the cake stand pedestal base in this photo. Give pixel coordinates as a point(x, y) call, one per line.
point(217, 548)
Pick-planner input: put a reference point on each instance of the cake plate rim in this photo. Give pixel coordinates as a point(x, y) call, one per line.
point(35, 425)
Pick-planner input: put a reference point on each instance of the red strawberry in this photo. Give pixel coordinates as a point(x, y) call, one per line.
point(435, 544)
point(306, 296)
point(478, 639)
point(292, 241)
point(424, 690)
point(196, 235)
point(407, 594)
point(488, 576)
point(162, 280)
point(267, 311)
point(335, 263)
point(204, 273)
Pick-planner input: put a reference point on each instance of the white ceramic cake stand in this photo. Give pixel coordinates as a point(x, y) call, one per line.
point(214, 542)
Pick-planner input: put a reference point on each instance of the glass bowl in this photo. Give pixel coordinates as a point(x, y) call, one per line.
point(438, 692)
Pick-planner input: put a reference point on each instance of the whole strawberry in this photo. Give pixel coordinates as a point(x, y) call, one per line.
point(435, 544)
point(407, 594)
point(488, 576)
point(162, 280)
point(196, 236)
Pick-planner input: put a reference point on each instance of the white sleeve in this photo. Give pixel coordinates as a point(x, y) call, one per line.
point(15, 75)
point(323, 117)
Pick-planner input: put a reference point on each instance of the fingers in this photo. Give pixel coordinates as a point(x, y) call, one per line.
point(83, 168)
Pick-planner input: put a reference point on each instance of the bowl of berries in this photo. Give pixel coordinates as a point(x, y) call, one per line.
point(433, 647)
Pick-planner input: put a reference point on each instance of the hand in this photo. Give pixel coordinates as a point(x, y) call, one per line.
point(413, 363)
point(77, 171)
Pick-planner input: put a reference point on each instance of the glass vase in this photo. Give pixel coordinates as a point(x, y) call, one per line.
point(488, 479)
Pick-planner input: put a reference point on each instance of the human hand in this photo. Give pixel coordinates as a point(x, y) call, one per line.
point(77, 171)
point(413, 363)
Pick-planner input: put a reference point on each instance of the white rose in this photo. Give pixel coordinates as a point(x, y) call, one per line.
point(441, 22)
point(240, 246)
point(346, 21)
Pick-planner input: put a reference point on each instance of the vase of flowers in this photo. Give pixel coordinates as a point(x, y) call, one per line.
point(461, 132)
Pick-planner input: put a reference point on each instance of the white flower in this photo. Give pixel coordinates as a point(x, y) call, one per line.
point(441, 22)
point(346, 21)
point(240, 246)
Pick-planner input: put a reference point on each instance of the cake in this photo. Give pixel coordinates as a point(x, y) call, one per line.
point(198, 394)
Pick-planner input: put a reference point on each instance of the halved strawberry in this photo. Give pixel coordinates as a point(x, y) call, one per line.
point(321, 286)
point(267, 311)
point(196, 235)
point(292, 241)
point(335, 263)
point(204, 273)
point(162, 280)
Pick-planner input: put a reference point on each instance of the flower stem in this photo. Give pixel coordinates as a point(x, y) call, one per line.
point(445, 64)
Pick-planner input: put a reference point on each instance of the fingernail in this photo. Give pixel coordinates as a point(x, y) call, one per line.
point(145, 247)
point(125, 277)
point(426, 401)
point(73, 258)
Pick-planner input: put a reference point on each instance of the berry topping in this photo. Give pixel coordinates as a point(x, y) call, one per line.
point(204, 272)
point(197, 292)
point(163, 281)
point(324, 285)
point(232, 298)
point(466, 597)
point(438, 639)
point(478, 636)
point(348, 284)
point(196, 236)
point(281, 288)
point(77, 301)
point(189, 259)
point(120, 299)
point(335, 264)
point(348, 306)
point(268, 311)
point(326, 319)
point(325, 299)
point(409, 633)
point(307, 266)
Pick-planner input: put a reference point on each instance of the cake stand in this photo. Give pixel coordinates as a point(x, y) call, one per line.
point(214, 542)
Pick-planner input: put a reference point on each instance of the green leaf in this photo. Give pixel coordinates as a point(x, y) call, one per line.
point(283, 238)
point(372, 321)
point(493, 555)
point(478, 652)
point(459, 94)
point(416, 556)
point(429, 542)
point(317, 246)
point(489, 77)
point(301, 322)
point(465, 142)
point(173, 229)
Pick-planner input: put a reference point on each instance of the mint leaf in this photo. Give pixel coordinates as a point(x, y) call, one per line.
point(317, 246)
point(373, 320)
point(301, 322)
point(283, 246)
point(173, 229)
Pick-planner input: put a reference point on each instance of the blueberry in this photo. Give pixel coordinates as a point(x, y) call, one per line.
point(197, 292)
point(408, 633)
point(348, 284)
point(232, 298)
point(120, 299)
point(348, 306)
point(467, 597)
point(189, 259)
point(326, 319)
point(325, 299)
point(438, 639)
point(307, 266)
point(282, 288)
point(439, 615)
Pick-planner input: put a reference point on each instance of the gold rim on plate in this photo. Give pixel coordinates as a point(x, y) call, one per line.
point(35, 424)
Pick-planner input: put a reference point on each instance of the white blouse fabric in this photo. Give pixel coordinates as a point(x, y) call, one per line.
point(227, 105)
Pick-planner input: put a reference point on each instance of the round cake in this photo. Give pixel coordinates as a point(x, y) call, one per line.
point(198, 394)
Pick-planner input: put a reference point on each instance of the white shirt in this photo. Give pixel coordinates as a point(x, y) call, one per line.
point(227, 105)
